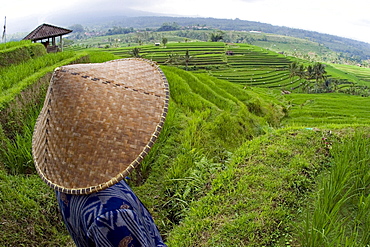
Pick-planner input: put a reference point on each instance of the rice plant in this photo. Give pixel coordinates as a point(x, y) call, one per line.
point(20, 52)
point(15, 79)
point(12, 75)
point(16, 151)
point(12, 44)
point(100, 57)
point(339, 213)
point(206, 124)
point(23, 88)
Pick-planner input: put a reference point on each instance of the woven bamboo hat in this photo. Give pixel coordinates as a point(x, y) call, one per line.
point(98, 122)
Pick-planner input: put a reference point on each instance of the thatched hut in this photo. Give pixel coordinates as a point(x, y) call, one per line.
point(47, 35)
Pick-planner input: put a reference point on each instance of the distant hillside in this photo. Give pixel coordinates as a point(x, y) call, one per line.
point(350, 48)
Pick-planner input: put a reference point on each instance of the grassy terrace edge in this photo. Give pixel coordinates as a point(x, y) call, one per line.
point(270, 187)
point(21, 52)
point(12, 92)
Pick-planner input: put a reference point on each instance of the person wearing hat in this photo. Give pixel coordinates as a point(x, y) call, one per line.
point(97, 124)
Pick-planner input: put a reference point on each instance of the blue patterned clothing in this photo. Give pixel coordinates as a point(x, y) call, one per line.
point(112, 217)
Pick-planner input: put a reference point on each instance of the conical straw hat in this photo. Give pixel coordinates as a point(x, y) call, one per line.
point(98, 122)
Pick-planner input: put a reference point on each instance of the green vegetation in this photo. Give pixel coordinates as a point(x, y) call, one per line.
point(12, 44)
point(254, 198)
point(241, 63)
point(17, 53)
point(357, 74)
point(250, 65)
point(237, 163)
point(338, 215)
point(29, 213)
point(316, 110)
point(28, 208)
point(308, 45)
point(17, 77)
point(207, 121)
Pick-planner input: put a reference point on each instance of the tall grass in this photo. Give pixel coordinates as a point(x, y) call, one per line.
point(250, 199)
point(20, 104)
point(16, 151)
point(11, 44)
point(29, 213)
point(316, 110)
point(13, 83)
point(205, 125)
point(11, 75)
point(20, 52)
point(339, 215)
point(100, 57)
point(16, 124)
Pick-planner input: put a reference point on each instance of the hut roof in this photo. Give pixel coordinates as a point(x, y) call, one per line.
point(46, 31)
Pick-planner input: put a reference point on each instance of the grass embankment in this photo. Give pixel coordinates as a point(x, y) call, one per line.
point(208, 120)
point(248, 194)
point(16, 78)
point(339, 212)
point(267, 194)
point(18, 52)
point(252, 201)
point(22, 87)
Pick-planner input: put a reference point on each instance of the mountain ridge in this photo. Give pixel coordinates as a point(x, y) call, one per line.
point(105, 16)
point(138, 19)
point(353, 48)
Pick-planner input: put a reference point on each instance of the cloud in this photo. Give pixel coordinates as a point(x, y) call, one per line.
point(251, 1)
point(329, 16)
point(104, 4)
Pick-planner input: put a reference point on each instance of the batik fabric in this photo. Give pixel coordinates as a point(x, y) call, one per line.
point(112, 217)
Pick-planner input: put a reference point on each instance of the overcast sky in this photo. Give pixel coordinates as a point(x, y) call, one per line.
point(346, 18)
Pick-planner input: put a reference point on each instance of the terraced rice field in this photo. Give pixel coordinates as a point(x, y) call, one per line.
point(239, 63)
point(317, 110)
point(362, 74)
point(254, 66)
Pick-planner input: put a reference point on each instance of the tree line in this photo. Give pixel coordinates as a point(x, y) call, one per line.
point(316, 72)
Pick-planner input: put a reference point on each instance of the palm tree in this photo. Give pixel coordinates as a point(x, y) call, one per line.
point(293, 70)
point(309, 72)
point(186, 58)
point(302, 71)
point(297, 69)
point(319, 72)
point(306, 86)
point(215, 37)
point(173, 58)
point(135, 52)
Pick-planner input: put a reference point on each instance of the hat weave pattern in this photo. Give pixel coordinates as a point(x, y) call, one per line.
point(98, 123)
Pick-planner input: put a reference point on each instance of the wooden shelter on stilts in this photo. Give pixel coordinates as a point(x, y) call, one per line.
point(46, 33)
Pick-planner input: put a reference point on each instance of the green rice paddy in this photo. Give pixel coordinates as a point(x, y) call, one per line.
point(239, 63)
point(244, 64)
point(360, 75)
point(317, 110)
